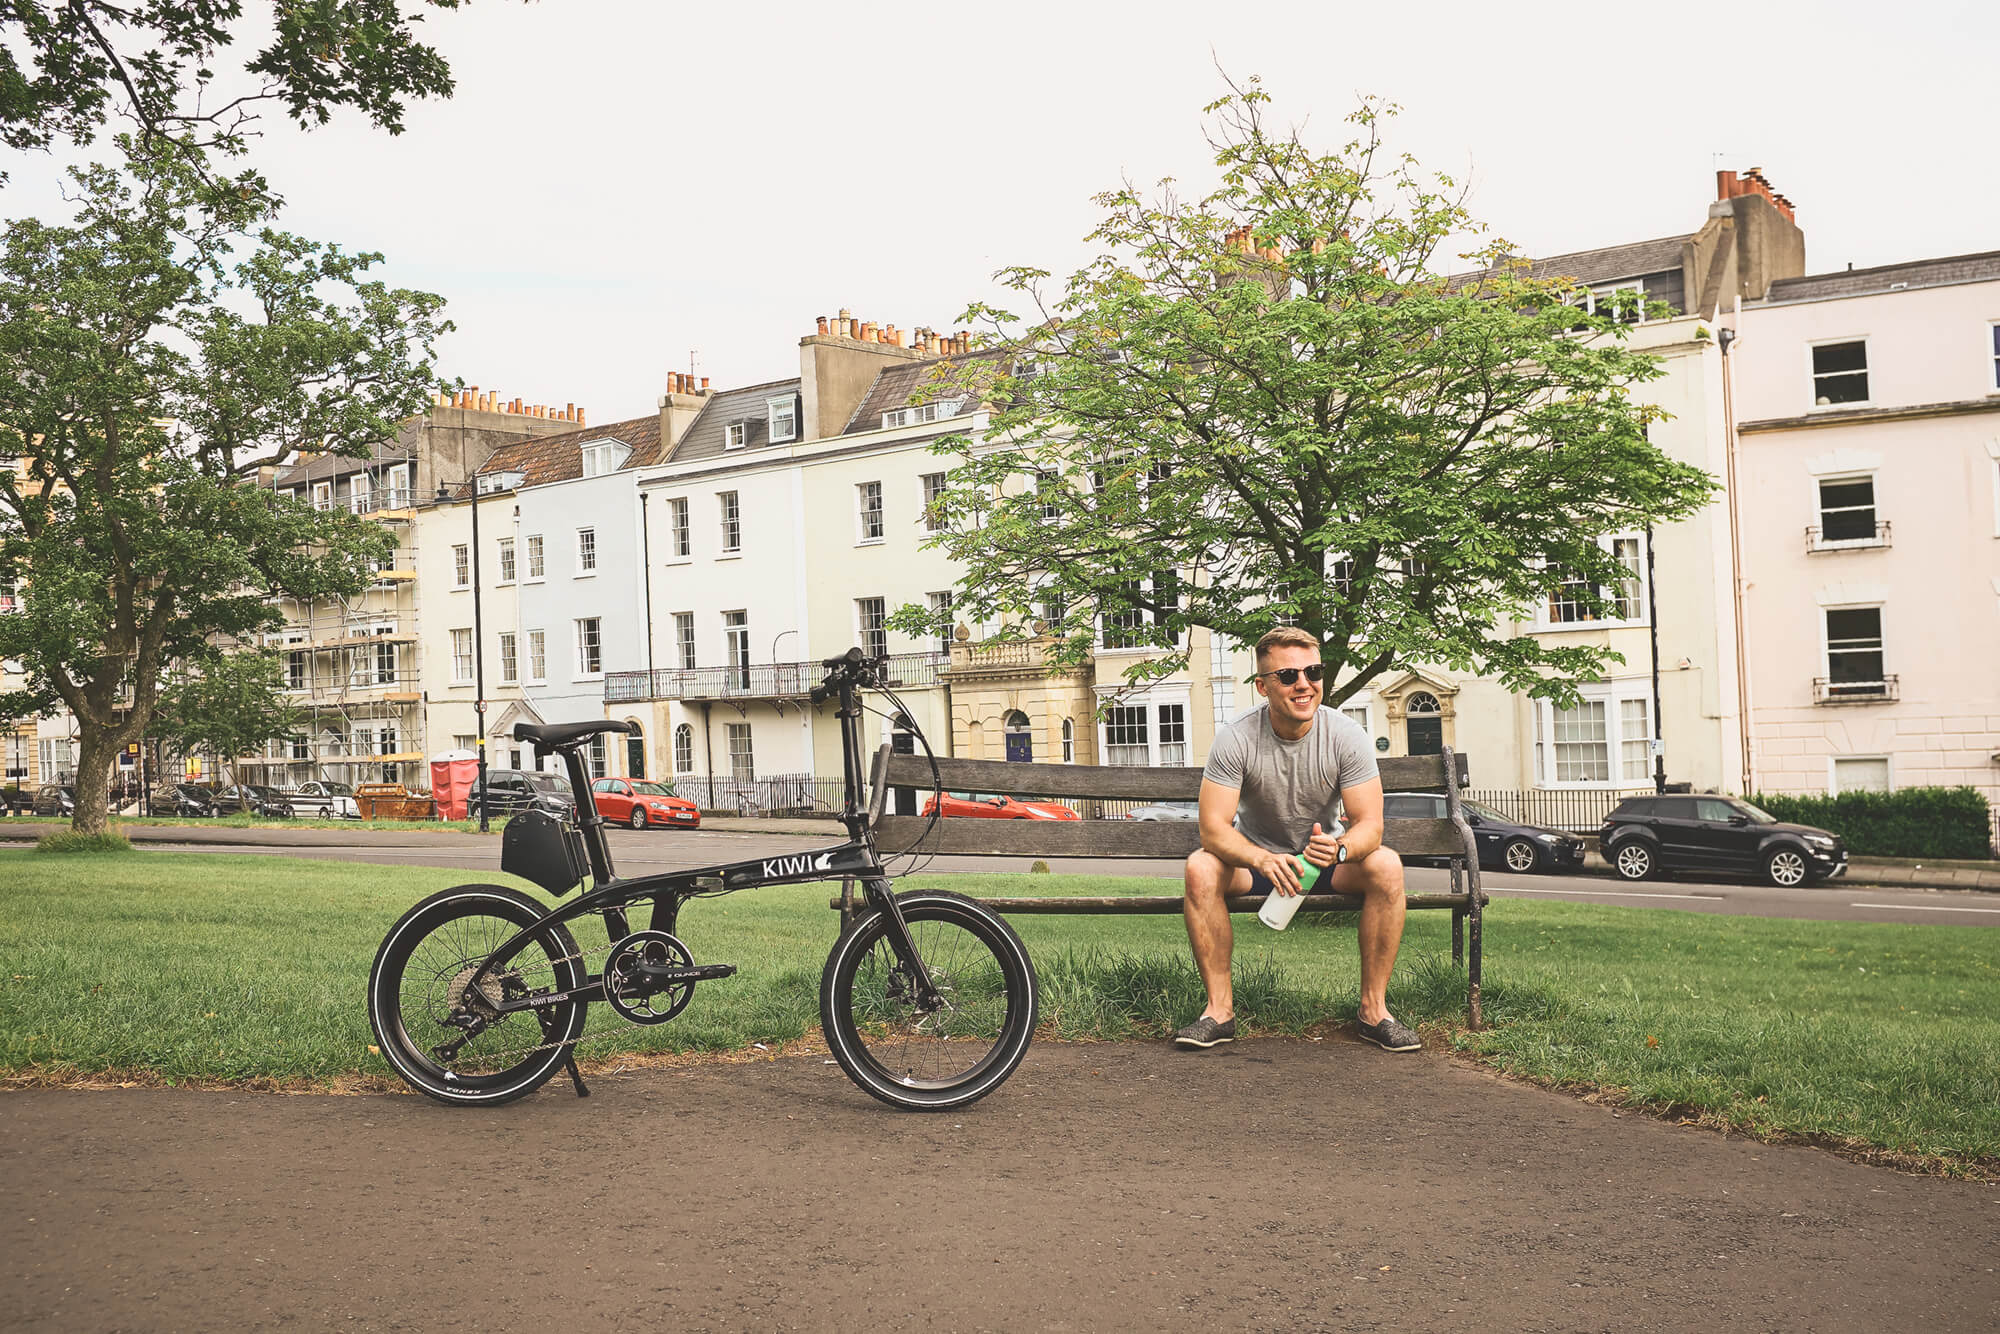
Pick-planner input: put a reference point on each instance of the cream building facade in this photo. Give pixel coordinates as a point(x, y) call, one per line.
point(1868, 410)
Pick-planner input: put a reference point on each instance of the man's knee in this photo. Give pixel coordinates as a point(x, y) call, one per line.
point(1382, 875)
point(1204, 875)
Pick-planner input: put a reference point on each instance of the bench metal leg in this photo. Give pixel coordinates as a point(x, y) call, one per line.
point(1457, 937)
point(1472, 969)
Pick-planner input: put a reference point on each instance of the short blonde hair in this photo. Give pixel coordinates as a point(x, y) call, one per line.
point(1283, 636)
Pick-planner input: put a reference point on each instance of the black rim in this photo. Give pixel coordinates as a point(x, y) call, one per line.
point(915, 1051)
point(433, 971)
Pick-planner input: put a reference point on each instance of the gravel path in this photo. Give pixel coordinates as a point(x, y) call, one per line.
point(1271, 1185)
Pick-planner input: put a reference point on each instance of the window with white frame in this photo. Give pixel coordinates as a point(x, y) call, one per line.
point(681, 539)
point(360, 492)
point(784, 416)
point(586, 551)
point(871, 625)
point(385, 664)
point(461, 566)
point(538, 656)
point(1847, 510)
point(1125, 736)
point(1993, 335)
point(742, 755)
point(1621, 302)
point(732, 521)
point(1569, 602)
point(510, 663)
point(684, 639)
point(599, 754)
point(1132, 625)
point(941, 609)
point(1626, 592)
point(603, 456)
point(506, 560)
point(684, 749)
point(322, 495)
point(736, 643)
point(933, 488)
point(1854, 651)
point(1069, 741)
point(1605, 741)
point(735, 434)
point(399, 487)
point(1860, 773)
point(1048, 488)
point(1221, 680)
point(461, 657)
point(868, 511)
point(589, 646)
point(1839, 373)
point(296, 676)
point(1173, 735)
point(1359, 713)
point(537, 566)
point(463, 740)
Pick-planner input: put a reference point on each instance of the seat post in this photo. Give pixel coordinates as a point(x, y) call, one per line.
point(587, 818)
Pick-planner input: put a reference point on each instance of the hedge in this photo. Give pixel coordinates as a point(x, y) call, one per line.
point(1946, 822)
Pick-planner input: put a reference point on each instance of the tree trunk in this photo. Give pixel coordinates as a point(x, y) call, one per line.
point(95, 753)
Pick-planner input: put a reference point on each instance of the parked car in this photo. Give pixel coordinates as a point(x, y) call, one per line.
point(639, 803)
point(253, 799)
point(1646, 836)
point(1504, 844)
point(518, 789)
point(1166, 810)
point(999, 808)
point(324, 800)
point(16, 800)
point(55, 799)
point(181, 800)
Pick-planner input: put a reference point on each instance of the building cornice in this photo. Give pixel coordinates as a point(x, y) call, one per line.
point(1849, 416)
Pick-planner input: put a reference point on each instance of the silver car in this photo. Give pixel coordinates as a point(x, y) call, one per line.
point(1166, 810)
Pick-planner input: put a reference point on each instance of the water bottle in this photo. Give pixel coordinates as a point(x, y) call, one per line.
point(1279, 909)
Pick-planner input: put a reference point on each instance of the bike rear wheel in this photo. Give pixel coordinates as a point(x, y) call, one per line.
point(421, 982)
point(930, 1059)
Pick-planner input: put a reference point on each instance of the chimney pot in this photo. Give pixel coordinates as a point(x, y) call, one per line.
point(822, 324)
point(579, 416)
point(704, 384)
point(569, 412)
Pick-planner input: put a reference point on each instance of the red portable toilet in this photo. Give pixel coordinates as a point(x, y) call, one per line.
point(453, 776)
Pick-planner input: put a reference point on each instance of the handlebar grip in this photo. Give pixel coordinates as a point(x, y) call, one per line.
point(852, 655)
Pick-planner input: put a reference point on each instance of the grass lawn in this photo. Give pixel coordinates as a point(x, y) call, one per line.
point(1871, 1037)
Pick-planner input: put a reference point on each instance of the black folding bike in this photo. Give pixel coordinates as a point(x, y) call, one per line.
point(478, 995)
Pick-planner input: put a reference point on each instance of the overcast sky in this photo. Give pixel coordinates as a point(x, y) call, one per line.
point(621, 184)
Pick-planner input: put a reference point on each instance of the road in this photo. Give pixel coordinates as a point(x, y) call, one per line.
point(672, 850)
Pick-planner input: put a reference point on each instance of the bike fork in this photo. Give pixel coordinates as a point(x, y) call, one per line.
point(900, 941)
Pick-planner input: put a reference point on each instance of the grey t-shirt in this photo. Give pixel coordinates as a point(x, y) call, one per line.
point(1288, 786)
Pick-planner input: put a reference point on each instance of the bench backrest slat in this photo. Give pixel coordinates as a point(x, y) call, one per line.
point(1108, 838)
point(1402, 773)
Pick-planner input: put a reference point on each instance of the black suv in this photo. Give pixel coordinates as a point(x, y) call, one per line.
point(1645, 836)
point(519, 789)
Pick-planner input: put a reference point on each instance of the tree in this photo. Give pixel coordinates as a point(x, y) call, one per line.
point(147, 374)
point(153, 62)
point(1270, 405)
point(226, 704)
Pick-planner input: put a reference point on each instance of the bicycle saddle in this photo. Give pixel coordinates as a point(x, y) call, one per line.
point(550, 736)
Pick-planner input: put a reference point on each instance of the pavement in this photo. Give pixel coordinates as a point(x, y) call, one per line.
point(1896, 872)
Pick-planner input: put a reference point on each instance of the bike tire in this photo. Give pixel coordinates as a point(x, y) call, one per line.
point(434, 946)
point(930, 1062)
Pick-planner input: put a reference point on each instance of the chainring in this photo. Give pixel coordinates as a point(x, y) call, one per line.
point(621, 991)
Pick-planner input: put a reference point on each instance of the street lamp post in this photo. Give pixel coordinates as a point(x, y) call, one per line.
point(1653, 625)
point(478, 656)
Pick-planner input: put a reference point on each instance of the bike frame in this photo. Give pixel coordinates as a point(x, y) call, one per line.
point(611, 896)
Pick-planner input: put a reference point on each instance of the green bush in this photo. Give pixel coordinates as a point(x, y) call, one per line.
point(1949, 822)
point(67, 842)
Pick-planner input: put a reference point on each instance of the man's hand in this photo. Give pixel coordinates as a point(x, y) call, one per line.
point(1281, 869)
point(1321, 848)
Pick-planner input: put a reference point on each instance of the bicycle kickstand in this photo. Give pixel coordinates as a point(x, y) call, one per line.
point(576, 1076)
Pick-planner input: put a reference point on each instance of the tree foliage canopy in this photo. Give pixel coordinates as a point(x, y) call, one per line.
point(1270, 404)
point(232, 706)
point(148, 371)
point(68, 66)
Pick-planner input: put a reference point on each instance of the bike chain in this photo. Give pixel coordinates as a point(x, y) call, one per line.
point(583, 957)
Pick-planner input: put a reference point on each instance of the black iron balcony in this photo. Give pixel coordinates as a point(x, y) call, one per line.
point(1829, 691)
point(1865, 536)
point(762, 681)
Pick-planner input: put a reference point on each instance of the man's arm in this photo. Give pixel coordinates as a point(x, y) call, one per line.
point(1362, 804)
point(1220, 837)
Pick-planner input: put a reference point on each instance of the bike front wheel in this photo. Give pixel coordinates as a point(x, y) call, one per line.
point(421, 997)
point(930, 1057)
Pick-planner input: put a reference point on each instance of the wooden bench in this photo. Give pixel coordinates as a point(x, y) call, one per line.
point(1166, 841)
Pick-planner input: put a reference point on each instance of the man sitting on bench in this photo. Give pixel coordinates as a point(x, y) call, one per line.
point(1274, 781)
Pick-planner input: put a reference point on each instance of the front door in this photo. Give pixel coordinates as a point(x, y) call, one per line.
point(1021, 747)
point(1426, 735)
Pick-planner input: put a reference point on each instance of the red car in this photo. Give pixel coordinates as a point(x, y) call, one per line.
point(1000, 808)
point(639, 803)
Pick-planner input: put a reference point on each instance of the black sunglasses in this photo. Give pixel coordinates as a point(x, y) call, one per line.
point(1289, 676)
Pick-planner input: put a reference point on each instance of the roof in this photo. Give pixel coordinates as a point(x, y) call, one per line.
point(969, 376)
point(329, 466)
point(1886, 278)
point(557, 458)
point(1633, 260)
point(749, 405)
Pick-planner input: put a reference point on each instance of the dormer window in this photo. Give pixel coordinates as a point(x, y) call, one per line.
point(604, 456)
point(489, 482)
point(920, 413)
point(733, 435)
point(784, 417)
